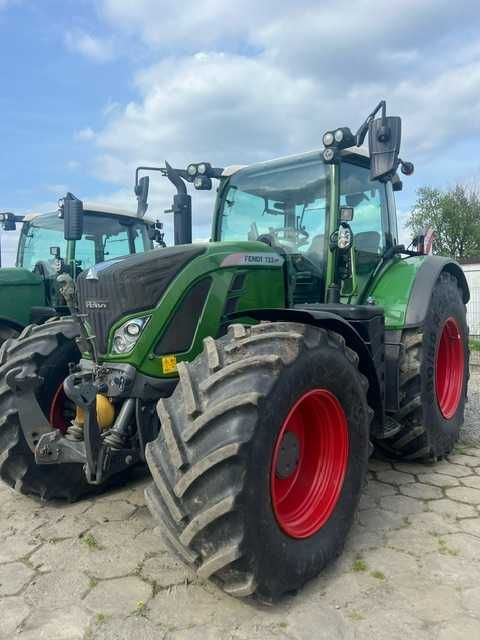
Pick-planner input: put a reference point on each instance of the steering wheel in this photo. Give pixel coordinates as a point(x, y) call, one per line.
point(300, 236)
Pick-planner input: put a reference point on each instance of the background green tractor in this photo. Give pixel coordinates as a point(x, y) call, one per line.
point(35, 288)
point(254, 372)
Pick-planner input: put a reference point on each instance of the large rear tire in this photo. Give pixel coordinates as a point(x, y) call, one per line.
point(44, 351)
point(261, 457)
point(433, 379)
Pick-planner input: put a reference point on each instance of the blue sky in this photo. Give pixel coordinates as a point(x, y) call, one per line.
point(91, 89)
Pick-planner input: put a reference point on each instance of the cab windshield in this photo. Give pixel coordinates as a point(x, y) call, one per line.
point(104, 237)
point(284, 206)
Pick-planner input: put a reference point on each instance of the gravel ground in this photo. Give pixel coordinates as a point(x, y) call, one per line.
point(97, 569)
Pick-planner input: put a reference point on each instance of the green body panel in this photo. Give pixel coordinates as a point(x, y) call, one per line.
point(263, 288)
point(392, 287)
point(20, 290)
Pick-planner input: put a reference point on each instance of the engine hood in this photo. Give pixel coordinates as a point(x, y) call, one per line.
point(128, 285)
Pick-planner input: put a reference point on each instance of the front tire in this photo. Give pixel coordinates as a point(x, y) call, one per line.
point(433, 379)
point(44, 351)
point(225, 493)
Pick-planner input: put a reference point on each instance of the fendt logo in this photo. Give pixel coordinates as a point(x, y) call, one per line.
point(253, 259)
point(96, 304)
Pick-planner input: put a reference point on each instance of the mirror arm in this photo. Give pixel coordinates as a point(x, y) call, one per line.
point(138, 169)
point(363, 129)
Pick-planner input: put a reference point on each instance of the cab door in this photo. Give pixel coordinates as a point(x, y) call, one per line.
point(370, 225)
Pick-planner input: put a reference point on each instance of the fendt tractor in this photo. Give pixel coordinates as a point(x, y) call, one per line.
point(253, 373)
point(40, 285)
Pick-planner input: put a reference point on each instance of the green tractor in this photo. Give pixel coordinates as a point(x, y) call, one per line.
point(40, 284)
point(254, 373)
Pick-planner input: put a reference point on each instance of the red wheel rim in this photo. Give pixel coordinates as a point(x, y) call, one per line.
point(449, 368)
point(57, 416)
point(309, 463)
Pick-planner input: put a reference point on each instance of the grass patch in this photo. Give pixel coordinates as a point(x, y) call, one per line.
point(141, 609)
point(92, 583)
point(474, 345)
point(379, 575)
point(359, 565)
point(445, 550)
point(355, 615)
point(101, 618)
point(90, 541)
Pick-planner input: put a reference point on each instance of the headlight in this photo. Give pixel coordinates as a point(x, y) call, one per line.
point(328, 139)
point(192, 170)
point(328, 155)
point(202, 169)
point(126, 336)
point(338, 135)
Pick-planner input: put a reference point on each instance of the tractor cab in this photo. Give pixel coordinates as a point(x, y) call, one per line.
point(48, 262)
point(108, 233)
point(287, 204)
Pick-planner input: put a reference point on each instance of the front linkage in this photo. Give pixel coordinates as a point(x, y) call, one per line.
point(104, 452)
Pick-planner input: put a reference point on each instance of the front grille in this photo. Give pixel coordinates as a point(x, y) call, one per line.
point(114, 289)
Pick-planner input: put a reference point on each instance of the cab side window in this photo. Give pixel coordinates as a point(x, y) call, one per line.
point(369, 203)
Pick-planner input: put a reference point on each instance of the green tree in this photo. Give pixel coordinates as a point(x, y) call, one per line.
point(454, 216)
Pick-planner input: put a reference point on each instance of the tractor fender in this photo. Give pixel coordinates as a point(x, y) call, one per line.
point(338, 324)
point(423, 285)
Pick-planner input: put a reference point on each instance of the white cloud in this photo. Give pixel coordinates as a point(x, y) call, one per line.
point(85, 134)
point(58, 189)
point(275, 75)
point(72, 165)
point(97, 49)
point(201, 24)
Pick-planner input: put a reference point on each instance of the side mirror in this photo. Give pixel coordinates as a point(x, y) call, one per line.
point(72, 217)
point(141, 191)
point(384, 137)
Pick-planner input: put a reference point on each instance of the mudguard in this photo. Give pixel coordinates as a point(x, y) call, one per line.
point(322, 318)
point(421, 291)
point(403, 288)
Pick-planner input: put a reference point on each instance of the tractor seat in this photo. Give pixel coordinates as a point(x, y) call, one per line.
point(367, 245)
point(367, 242)
point(316, 250)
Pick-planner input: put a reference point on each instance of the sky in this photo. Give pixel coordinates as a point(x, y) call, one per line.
point(93, 88)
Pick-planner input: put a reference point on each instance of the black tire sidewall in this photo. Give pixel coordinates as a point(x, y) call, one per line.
point(53, 371)
point(446, 302)
point(286, 563)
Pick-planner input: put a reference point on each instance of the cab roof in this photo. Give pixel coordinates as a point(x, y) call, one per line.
point(97, 208)
point(360, 152)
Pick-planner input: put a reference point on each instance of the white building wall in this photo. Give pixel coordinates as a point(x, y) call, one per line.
point(472, 274)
